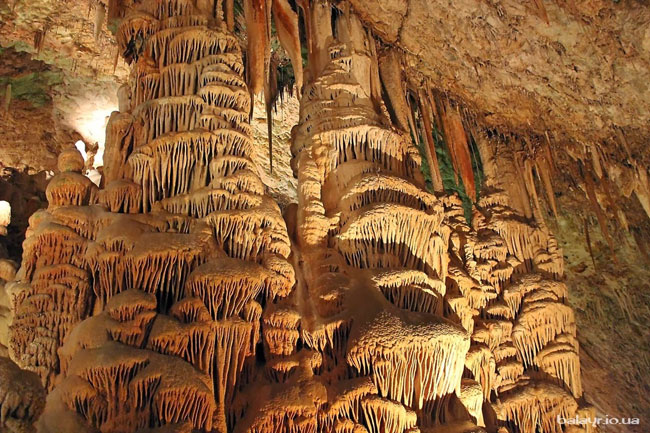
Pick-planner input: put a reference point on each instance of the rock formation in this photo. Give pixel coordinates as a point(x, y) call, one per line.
point(22, 398)
point(7, 274)
point(176, 297)
point(139, 304)
point(381, 256)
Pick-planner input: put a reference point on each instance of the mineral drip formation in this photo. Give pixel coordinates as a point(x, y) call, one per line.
point(139, 305)
point(418, 321)
point(178, 298)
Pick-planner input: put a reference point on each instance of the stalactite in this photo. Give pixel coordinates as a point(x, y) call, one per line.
point(39, 37)
point(100, 16)
point(488, 151)
point(270, 95)
point(230, 15)
point(7, 101)
point(525, 166)
point(391, 76)
point(642, 186)
point(257, 14)
point(544, 171)
point(588, 242)
point(602, 220)
point(286, 23)
point(541, 10)
point(434, 167)
point(456, 139)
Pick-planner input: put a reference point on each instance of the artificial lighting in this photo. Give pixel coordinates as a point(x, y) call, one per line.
point(88, 115)
point(5, 216)
point(81, 147)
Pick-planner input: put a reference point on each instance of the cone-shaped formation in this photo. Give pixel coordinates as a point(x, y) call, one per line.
point(521, 325)
point(174, 299)
point(52, 291)
point(373, 258)
point(385, 268)
point(141, 303)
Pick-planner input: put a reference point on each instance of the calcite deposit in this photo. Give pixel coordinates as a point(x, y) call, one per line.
point(177, 297)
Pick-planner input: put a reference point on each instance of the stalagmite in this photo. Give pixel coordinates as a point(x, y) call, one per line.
point(534, 405)
point(471, 395)
point(166, 348)
point(539, 322)
point(481, 363)
point(560, 359)
point(413, 358)
point(175, 299)
point(52, 289)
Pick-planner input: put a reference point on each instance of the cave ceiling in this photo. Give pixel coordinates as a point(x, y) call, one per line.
point(573, 70)
point(576, 72)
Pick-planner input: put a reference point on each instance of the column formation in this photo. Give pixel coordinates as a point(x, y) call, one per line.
point(173, 299)
point(361, 344)
point(505, 287)
point(404, 317)
point(165, 271)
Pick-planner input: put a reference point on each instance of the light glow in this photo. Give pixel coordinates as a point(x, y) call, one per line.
point(81, 147)
point(87, 112)
point(5, 213)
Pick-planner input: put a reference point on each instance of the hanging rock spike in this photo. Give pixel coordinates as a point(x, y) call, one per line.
point(175, 299)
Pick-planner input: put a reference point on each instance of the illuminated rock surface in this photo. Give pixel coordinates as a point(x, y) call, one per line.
point(178, 296)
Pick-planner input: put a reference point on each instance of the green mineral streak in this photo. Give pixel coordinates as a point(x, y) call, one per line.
point(33, 87)
point(449, 180)
point(113, 26)
point(426, 170)
point(21, 46)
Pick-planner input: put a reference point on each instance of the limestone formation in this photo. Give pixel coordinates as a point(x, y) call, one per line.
point(175, 298)
point(22, 398)
point(139, 305)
